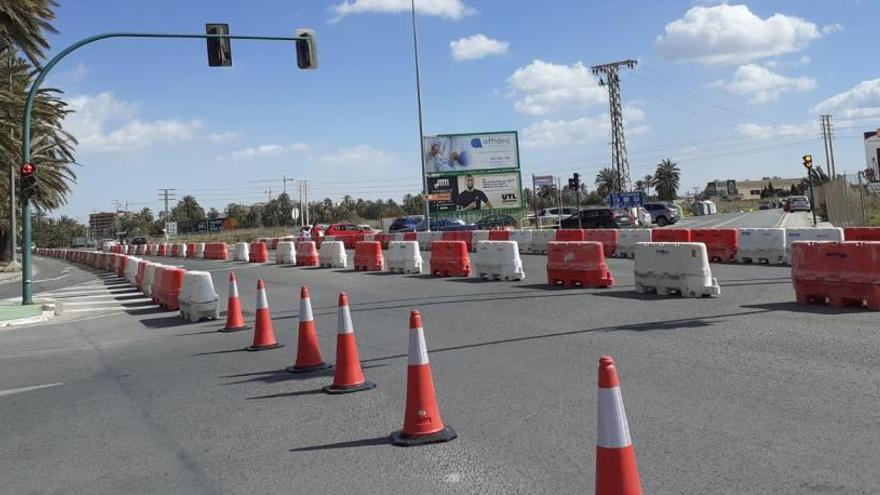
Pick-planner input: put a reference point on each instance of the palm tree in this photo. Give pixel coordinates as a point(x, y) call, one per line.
point(606, 181)
point(666, 180)
point(23, 25)
point(649, 181)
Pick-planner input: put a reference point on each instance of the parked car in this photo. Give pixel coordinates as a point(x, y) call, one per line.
point(439, 224)
point(644, 216)
point(663, 213)
point(406, 224)
point(800, 203)
point(498, 221)
point(600, 218)
point(106, 244)
point(138, 240)
point(787, 205)
point(345, 229)
point(551, 216)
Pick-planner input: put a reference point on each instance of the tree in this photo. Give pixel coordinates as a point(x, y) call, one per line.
point(23, 24)
point(188, 213)
point(666, 180)
point(606, 181)
point(52, 233)
point(213, 214)
point(648, 180)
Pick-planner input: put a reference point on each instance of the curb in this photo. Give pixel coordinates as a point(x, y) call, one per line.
point(48, 313)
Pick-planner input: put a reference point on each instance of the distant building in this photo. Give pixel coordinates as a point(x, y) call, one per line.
point(102, 225)
point(746, 189)
point(872, 155)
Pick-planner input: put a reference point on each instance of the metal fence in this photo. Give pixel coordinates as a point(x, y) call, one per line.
point(849, 200)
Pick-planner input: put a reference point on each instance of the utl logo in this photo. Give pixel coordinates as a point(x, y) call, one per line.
point(508, 197)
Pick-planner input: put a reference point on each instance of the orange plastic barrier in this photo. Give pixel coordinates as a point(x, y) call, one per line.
point(450, 258)
point(577, 264)
point(608, 237)
point(351, 241)
point(120, 265)
point(258, 252)
point(570, 235)
point(671, 235)
point(162, 250)
point(139, 278)
point(410, 236)
point(383, 239)
point(721, 244)
point(191, 250)
point(170, 284)
point(499, 235)
point(460, 235)
point(156, 287)
point(216, 251)
point(861, 233)
point(368, 256)
point(175, 252)
point(840, 273)
point(273, 245)
point(307, 253)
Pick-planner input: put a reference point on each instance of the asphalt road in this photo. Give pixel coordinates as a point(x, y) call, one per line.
point(744, 393)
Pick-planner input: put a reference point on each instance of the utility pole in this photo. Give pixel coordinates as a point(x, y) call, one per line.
point(831, 145)
point(825, 122)
point(284, 181)
point(421, 124)
point(13, 231)
point(618, 144)
point(166, 195)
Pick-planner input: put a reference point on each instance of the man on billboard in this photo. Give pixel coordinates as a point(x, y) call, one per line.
point(472, 198)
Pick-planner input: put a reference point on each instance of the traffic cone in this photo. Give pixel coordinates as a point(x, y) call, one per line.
point(421, 423)
point(264, 335)
point(308, 351)
point(616, 470)
point(348, 377)
point(234, 318)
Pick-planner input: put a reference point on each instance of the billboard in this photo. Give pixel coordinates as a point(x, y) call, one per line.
point(462, 153)
point(474, 192)
point(872, 153)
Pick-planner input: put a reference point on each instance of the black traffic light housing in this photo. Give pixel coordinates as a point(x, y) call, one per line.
point(28, 179)
point(219, 49)
point(575, 182)
point(306, 49)
point(808, 161)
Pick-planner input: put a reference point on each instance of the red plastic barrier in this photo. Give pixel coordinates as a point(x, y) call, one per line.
point(259, 253)
point(368, 257)
point(171, 282)
point(383, 239)
point(120, 265)
point(721, 244)
point(460, 235)
point(671, 235)
point(570, 235)
point(577, 264)
point(156, 287)
point(139, 278)
point(861, 233)
point(450, 258)
point(175, 252)
point(306, 253)
point(273, 245)
point(351, 241)
point(191, 250)
point(410, 236)
point(841, 273)
point(162, 250)
point(608, 237)
point(499, 235)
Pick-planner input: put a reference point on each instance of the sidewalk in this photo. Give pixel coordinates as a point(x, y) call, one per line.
point(12, 313)
point(802, 219)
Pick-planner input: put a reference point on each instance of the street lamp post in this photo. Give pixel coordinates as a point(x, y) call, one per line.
point(26, 289)
point(421, 127)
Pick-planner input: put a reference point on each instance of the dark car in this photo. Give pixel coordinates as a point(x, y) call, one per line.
point(406, 224)
point(496, 222)
point(138, 240)
point(441, 224)
point(600, 218)
point(662, 213)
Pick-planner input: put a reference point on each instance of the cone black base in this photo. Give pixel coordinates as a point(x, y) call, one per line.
point(263, 347)
point(310, 369)
point(403, 440)
point(236, 329)
point(347, 389)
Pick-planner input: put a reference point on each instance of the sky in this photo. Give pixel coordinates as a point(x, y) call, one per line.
point(725, 90)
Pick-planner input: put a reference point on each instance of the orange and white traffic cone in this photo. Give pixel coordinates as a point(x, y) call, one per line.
point(308, 351)
point(264, 334)
point(616, 470)
point(421, 423)
point(234, 318)
point(349, 376)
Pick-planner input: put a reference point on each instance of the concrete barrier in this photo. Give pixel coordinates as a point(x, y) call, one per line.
point(197, 297)
point(761, 246)
point(404, 257)
point(285, 253)
point(498, 260)
point(627, 240)
point(332, 254)
point(682, 267)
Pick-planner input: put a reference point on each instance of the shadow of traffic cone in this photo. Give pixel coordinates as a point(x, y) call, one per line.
point(234, 318)
point(349, 376)
point(421, 423)
point(308, 351)
point(264, 334)
point(616, 470)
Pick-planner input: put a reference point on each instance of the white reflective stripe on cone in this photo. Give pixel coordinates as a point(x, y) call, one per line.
point(418, 352)
point(262, 300)
point(305, 309)
point(344, 321)
point(613, 430)
point(233, 289)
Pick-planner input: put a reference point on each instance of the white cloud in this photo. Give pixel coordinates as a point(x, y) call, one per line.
point(223, 136)
point(557, 133)
point(450, 9)
point(544, 87)
point(763, 85)
point(263, 151)
point(861, 101)
point(732, 34)
point(477, 46)
point(94, 116)
point(806, 129)
point(362, 155)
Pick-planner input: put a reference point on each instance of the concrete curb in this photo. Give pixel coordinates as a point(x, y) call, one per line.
point(47, 314)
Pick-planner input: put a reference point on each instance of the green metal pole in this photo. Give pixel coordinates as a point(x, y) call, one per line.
point(812, 196)
point(26, 290)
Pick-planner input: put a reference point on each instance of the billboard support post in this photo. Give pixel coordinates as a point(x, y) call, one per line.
point(577, 196)
point(421, 125)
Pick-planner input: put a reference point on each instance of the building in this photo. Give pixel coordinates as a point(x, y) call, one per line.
point(872, 155)
point(102, 225)
point(746, 189)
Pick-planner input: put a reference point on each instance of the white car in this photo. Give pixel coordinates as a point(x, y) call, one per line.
point(550, 216)
point(107, 244)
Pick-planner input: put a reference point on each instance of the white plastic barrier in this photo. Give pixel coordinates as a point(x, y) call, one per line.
point(149, 274)
point(761, 246)
point(332, 255)
point(199, 250)
point(197, 297)
point(479, 235)
point(540, 238)
point(498, 260)
point(394, 237)
point(682, 267)
point(627, 240)
point(795, 234)
point(370, 237)
point(404, 257)
point(424, 240)
point(131, 269)
point(523, 239)
point(181, 250)
point(330, 238)
point(285, 253)
point(241, 251)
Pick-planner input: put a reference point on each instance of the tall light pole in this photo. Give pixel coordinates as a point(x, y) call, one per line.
point(421, 127)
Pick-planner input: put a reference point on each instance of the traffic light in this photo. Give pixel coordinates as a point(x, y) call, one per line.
point(28, 179)
point(575, 182)
point(219, 49)
point(306, 49)
point(808, 161)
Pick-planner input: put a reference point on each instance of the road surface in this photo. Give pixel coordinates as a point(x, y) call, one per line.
point(749, 219)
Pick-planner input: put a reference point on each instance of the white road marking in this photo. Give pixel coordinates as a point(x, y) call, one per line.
point(12, 391)
point(90, 310)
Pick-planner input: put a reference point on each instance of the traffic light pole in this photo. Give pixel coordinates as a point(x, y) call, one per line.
point(26, 289)
point(812, 196)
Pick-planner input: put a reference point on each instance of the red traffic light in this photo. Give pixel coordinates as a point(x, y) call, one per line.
point(27, 169)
